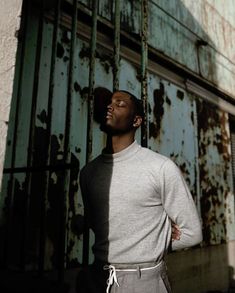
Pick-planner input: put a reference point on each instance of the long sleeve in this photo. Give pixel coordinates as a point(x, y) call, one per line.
point(179, 206)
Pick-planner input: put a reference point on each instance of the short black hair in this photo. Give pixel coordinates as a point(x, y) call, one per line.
point(139, 109)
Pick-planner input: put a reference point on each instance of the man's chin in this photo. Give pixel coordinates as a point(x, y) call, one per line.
point(109, 130)
point(106, 128)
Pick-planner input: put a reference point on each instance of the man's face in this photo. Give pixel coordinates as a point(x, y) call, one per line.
point(120, 114)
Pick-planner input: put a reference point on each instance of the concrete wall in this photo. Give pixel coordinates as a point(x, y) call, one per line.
point(9, 24)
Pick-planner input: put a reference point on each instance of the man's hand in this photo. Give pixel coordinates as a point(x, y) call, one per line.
point(175, 231)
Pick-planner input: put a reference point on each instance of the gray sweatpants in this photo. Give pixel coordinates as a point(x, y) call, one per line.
point(138, 280)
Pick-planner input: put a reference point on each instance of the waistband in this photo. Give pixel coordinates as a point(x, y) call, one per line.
point(127, 268)
point(131, 266)
point(137, 266)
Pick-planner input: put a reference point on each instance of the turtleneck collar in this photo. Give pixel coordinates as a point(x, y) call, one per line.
point(122, 155)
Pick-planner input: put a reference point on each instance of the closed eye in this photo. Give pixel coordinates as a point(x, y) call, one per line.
point(121, 103)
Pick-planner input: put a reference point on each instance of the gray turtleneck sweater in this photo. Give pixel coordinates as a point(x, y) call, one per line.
point(131, 197)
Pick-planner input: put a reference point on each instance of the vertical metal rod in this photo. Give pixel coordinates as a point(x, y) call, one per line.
point(32, 133)
point(197, 170)
point(90, 114)
point(10, 192)
point(144, 62)
point(48, 138)
point(67, 151)
point(116, 66)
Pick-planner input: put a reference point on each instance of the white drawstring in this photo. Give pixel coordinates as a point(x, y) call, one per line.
point(112, 277)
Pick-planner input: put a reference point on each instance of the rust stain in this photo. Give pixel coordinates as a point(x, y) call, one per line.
point(59, 50)
point(105, 59)
point(78, 150)
point(66, 37)
point(185, 170)
point(66, 58)
point(152, 130)
point(107, 62)
point(77, 87)
point(42, 117)
point(192, 117)
point(168, 101)
point(138, 74)
point(180, 95)
point(213, 141)
point(158, 111)
point(127, 17)
point(84, 52)
point(207, 116)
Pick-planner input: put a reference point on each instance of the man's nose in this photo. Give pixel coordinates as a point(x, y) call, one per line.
point(110, 107)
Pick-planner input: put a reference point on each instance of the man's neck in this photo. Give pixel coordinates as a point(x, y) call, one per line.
point(117, 143)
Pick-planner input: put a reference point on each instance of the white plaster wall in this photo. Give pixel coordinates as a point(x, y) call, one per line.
point(10, 13)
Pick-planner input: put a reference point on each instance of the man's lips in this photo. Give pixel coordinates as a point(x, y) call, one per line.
point(109, 115)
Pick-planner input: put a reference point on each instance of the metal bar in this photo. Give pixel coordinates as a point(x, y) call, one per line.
point(144, 62)
point(67, 152)
point(116, 67)
point(90, 113)
point(48, 142)
point(31, 135)
point(23, 28)
point(197, 170)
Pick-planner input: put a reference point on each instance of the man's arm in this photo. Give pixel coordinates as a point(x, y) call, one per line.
point(179, 206)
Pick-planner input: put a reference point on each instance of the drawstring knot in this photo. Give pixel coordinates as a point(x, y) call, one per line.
point(112, 277)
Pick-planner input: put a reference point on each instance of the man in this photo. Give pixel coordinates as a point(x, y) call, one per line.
point(132, 195)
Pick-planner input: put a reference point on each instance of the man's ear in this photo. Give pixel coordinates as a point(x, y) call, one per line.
point(137, 121)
